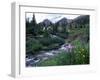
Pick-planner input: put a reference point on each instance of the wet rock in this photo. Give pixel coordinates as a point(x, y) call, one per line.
point(49, 54)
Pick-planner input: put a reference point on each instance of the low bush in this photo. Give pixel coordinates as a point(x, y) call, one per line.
point(46, 41)
point(33, 45)
point(63, 35)
point(81, 52)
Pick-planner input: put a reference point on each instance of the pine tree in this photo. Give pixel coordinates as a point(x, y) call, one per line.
point(34, 25)
point(33, 20)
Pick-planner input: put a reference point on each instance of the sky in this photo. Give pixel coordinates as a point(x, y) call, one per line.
point(52, 17)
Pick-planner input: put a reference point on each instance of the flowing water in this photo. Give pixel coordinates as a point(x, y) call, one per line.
point(44, 55)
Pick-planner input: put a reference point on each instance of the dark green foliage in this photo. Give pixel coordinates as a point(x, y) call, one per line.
point(63, 35)
point(31, 27)
point(28, 27)
point(55, 29)
point(45, 41)
point(46, 33)
point(51, 40)
point(33, 45)
point(81, 52)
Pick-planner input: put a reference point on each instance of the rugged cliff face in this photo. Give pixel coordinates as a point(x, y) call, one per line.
point(46, 23)
point(71, 23)
point(80, 21)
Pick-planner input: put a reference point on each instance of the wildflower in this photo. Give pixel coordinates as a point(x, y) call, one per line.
point(79, 51)
point(67, 47)
point(82, 49)
point(83, 55)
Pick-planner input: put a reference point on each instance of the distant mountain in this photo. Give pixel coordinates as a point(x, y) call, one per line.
point(83, 19)
point(80, 20)
point(62, 22)
point(46, 23)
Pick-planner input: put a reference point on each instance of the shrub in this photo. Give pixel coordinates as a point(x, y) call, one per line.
point(36, 47)
point(58, 40)
point(63, 35)
point(33, 45)
point(81, 53)
point(82, 56)
point(46, 41)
